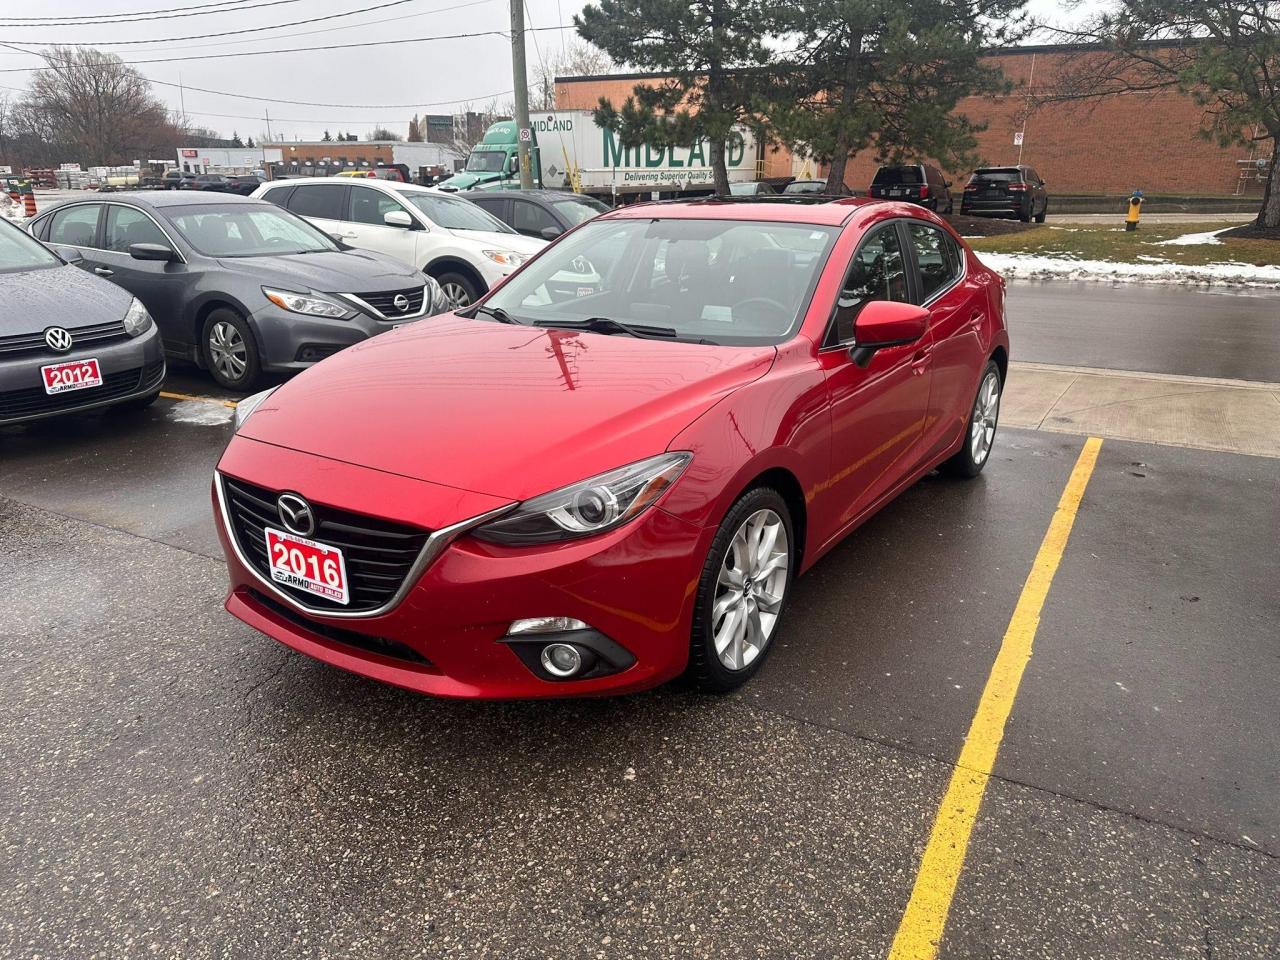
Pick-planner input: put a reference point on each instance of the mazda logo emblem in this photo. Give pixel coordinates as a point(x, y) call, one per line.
point(58, 339)
point(295, 513)
point(401, 302)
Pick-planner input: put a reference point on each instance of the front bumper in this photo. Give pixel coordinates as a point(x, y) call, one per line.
point(294, 341)
point(130, 368)
point(635, 585)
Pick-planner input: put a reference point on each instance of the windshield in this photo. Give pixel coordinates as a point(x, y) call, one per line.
point(454, 213)
point(580, 210)
point(741, 282)
point(18, 251)
point(248, 230)
point(487, 161)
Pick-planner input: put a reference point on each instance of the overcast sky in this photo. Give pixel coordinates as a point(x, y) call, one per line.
point(432, 77)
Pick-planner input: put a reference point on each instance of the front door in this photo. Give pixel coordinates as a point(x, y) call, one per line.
point(366, 229)
point(160, 286)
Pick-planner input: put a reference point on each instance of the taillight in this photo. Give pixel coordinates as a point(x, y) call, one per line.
point(924, 191)
point(371, 175)
point(1018, 187)
point(970, 188)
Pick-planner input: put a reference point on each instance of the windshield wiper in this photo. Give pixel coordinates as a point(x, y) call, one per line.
point(609, 325)
point(497, 313)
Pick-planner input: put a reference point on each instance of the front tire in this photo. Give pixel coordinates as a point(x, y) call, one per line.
point(229, 350)
point(742, 592)
point(980, 434)
point(459, 288)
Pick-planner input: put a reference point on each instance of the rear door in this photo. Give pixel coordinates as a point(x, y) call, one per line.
point(323, 204)
point(365, 227)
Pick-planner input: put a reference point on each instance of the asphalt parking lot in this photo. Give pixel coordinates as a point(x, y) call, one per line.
point(177, 785)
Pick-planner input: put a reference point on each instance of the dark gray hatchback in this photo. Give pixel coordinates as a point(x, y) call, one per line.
point(238, 285)
point(68, 341)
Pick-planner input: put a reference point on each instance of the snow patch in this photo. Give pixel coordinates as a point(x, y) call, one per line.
point(1194, 239)
point(201, 412)
point(1020, 266)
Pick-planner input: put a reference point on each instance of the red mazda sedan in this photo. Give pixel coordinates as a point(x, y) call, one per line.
point(609, 472)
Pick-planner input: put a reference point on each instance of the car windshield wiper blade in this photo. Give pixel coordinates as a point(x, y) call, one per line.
point(609, 325)
point(497, 313)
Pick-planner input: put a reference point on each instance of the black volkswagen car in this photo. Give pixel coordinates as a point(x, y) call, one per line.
point(69, 341)
point(239, 285)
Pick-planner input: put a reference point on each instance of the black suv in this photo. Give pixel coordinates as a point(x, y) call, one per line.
point(920, 183)
point(1014, 191)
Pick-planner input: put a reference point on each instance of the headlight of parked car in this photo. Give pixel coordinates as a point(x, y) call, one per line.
point(307, 303)
point(136, 319)
point(506, 257)
point(590, 507)
point(437, 300)
point(245, 408)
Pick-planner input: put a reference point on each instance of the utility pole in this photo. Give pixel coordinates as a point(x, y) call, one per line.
point(266, 114)
point(524, 133)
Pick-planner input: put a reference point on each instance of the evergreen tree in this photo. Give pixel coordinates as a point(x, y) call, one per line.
point(327, 138)
point(415, 130)
point(235, 139)
point(889, 74)
point(714, 51)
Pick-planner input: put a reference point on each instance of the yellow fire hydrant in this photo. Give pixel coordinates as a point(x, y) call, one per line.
point(1135, 207)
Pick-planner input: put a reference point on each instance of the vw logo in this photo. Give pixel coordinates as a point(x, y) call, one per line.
point(401, 302)
point(295, 513)
point(58, 339)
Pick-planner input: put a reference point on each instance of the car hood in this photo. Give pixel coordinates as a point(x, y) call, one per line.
point(509, 411)
point(515, 242)
point(62, 296)
point(339, 271)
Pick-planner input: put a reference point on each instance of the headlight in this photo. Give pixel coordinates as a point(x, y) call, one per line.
point(136, 319)
point(437, 300)
point(245, 408)
point(590, 507)
point(309, 304)
point(506, 257)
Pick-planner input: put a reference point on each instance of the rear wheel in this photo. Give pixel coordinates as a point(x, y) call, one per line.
point(1044, 212)
point(742, 592)
point(459, 288)
point(981, 432)
point(229, 350)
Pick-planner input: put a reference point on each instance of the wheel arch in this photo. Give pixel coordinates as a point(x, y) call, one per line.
point(450, 264)
point(199, 312)
point(1001, 357)
point(787, 484)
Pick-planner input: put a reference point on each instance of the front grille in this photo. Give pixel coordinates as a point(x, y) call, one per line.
point(378, 554)
point(384, 302)
point(34, 342)
point(347, 638)
point(33, 401)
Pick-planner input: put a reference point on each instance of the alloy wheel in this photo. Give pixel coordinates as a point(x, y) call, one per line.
point(750, 589)
point(986, 410)
point(456, 293)
point(227, 350)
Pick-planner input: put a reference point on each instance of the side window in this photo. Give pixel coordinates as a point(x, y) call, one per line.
point(323, 200)
point(936, 256)
point(878, 272)
point(530, 219)
point(495, 206)
point(127, 226)
point(279, 196)
point(369, 206)
point(1034, 177)
point(76, 226)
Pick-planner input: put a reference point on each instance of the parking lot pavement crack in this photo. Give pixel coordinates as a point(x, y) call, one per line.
point(1133, 400)
point(1057, 401)
point(1195, 835)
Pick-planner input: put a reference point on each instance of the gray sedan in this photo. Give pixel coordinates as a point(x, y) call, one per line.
point(69, 341)
point(238, 285)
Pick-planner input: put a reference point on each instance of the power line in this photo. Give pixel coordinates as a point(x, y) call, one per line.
point(234, 33)
point(264, 53)
point(89, 20)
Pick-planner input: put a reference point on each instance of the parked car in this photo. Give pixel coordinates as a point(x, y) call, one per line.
point(244, 183)
point(238, 285)
point(211, 183)
point(595, 493)
point(465, 248)
point(756, 188)
point(920, 183)
point(177, 180)
point(68, 340)
point(1016, 191)
point(801, 187)
point(542, 214)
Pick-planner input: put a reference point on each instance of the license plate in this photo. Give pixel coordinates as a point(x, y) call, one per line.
point(76, 375)
point(896, 193)
point(306, 565)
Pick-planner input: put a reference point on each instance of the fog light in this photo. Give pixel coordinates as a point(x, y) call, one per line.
point(545, 625)
point(561, 659)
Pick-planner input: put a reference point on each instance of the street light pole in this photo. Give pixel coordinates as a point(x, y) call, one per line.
point(523, 133)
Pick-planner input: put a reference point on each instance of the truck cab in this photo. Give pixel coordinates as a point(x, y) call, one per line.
point(493, 160)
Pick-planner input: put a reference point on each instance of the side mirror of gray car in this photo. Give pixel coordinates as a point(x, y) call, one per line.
point(397, 218)
point(550, 233)
point(69, 254)
point(151, 251)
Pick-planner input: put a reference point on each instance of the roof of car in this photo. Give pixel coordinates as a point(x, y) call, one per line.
point(375, 182)
point(811, 208)
point(183, 198)
point(538, 193)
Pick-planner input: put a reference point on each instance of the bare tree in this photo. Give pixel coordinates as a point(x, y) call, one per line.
point(382, 133)
point(577, 59)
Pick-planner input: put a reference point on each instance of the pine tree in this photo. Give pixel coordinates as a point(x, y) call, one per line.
point(889, 74)
point(415, 130)
point(235, 139)
point(714, 51)
point(327, 138)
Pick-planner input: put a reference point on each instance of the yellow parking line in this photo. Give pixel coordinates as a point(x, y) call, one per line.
point(187, 396)
point(922, 924)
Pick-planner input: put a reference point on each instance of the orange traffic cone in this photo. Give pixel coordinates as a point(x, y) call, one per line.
point(29, 205)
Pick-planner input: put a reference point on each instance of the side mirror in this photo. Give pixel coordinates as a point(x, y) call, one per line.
point(397, 218)
point(884, 323)
point(550, 233)
point(69, 254)
point(946, 183)
point(151, 251)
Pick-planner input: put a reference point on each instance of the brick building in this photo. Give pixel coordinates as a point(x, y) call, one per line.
point(1105, 148)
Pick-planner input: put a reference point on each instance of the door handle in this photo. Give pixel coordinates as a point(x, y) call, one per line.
point(103, 272)
point(976, 319)
point(920, 362)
